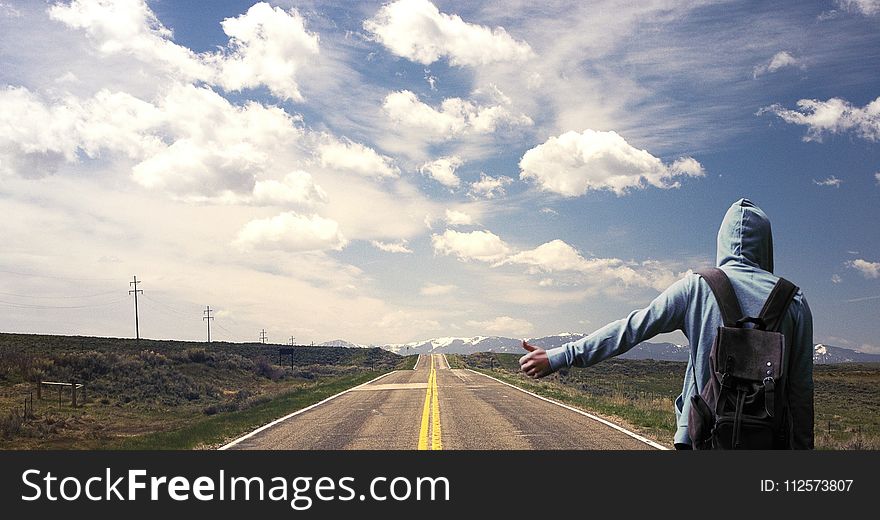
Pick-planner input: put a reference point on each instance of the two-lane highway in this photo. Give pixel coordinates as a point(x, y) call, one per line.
point(435, 407)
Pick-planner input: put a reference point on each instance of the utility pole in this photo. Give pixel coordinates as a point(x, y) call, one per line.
point(291, 340)
point(207, 317)
point(263, 336)
point(135, 291)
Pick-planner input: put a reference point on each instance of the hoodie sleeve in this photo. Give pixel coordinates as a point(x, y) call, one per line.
point(800, 380)
point(665, 314)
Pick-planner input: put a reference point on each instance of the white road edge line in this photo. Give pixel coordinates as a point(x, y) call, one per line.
point(306, 409)
point(636, 436)
point(454, 372)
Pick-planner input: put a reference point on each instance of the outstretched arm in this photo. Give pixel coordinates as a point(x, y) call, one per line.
point(535, 364)
point(665, 314)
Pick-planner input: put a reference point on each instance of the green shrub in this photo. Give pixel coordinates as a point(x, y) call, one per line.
point(196, 355)
point(11, 425)
point(264, 368)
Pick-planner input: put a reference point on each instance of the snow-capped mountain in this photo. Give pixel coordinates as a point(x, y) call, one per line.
point(659, 351)
point(504, 345)
point(555, 340)
point(451, 345)
point(343, 343)
point(822, 354)
point(825, 354)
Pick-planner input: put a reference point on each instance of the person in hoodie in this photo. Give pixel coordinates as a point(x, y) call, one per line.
point(745, 254)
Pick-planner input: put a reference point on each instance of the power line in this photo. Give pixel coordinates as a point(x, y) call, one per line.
point(39, 306)
point(172, 309)
point(208, 313)
point(208, 318)
point(229, 334)
point(224, 328)
point(151, 305)
point(58, 297)
point(57, 277)
point(135, 291)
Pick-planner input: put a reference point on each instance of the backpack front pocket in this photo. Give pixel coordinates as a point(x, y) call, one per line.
point(754, 434)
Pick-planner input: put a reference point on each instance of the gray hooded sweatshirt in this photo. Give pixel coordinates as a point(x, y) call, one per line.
point(745, 254)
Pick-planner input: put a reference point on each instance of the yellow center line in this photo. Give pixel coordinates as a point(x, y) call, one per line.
point(429, 419)
point(436, 442)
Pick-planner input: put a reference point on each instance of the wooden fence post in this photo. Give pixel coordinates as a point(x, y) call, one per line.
point(73, 393)
point(39, 390)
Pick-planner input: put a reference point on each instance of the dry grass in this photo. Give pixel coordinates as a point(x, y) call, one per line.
point(139, 389)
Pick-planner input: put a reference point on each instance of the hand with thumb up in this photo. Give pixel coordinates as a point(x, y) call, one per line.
point(535, 364)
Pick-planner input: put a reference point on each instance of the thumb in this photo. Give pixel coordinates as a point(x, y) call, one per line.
point(528, 347)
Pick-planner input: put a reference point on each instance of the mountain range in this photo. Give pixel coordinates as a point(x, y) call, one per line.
point(822, 354)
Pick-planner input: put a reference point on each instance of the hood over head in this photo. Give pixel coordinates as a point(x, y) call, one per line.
point(745, 237)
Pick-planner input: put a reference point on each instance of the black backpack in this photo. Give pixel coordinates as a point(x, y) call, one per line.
point(743, 405)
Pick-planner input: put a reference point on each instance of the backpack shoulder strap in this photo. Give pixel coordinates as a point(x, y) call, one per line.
point(777, 304)
point(724, 295)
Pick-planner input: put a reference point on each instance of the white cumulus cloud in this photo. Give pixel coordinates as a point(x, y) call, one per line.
point(443, 169)
point(458, 218)
point(296, 187)
point(489, 187)
point(190, 143)
point(131, 27)
point(558, 257)
point(484, 246)
point(291, 232)
point(356, 158)
point(455, 116)
point(865, 7)
point(214, 146)
point(392, 247)
point(779, 60)
point(834, 116)
point(504, 325)
point(267, 45)
point(38, 134)
point(831, 181)
point(418, 31)
point(868, 269)
point(573, 163)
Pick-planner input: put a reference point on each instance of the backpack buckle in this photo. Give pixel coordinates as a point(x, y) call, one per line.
point(757, 322)
point(728, 367)
point(769, 396)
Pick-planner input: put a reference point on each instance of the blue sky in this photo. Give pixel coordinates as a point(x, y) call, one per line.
point(388, 172)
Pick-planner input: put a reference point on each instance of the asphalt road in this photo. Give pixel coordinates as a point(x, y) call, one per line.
point(435, 407)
